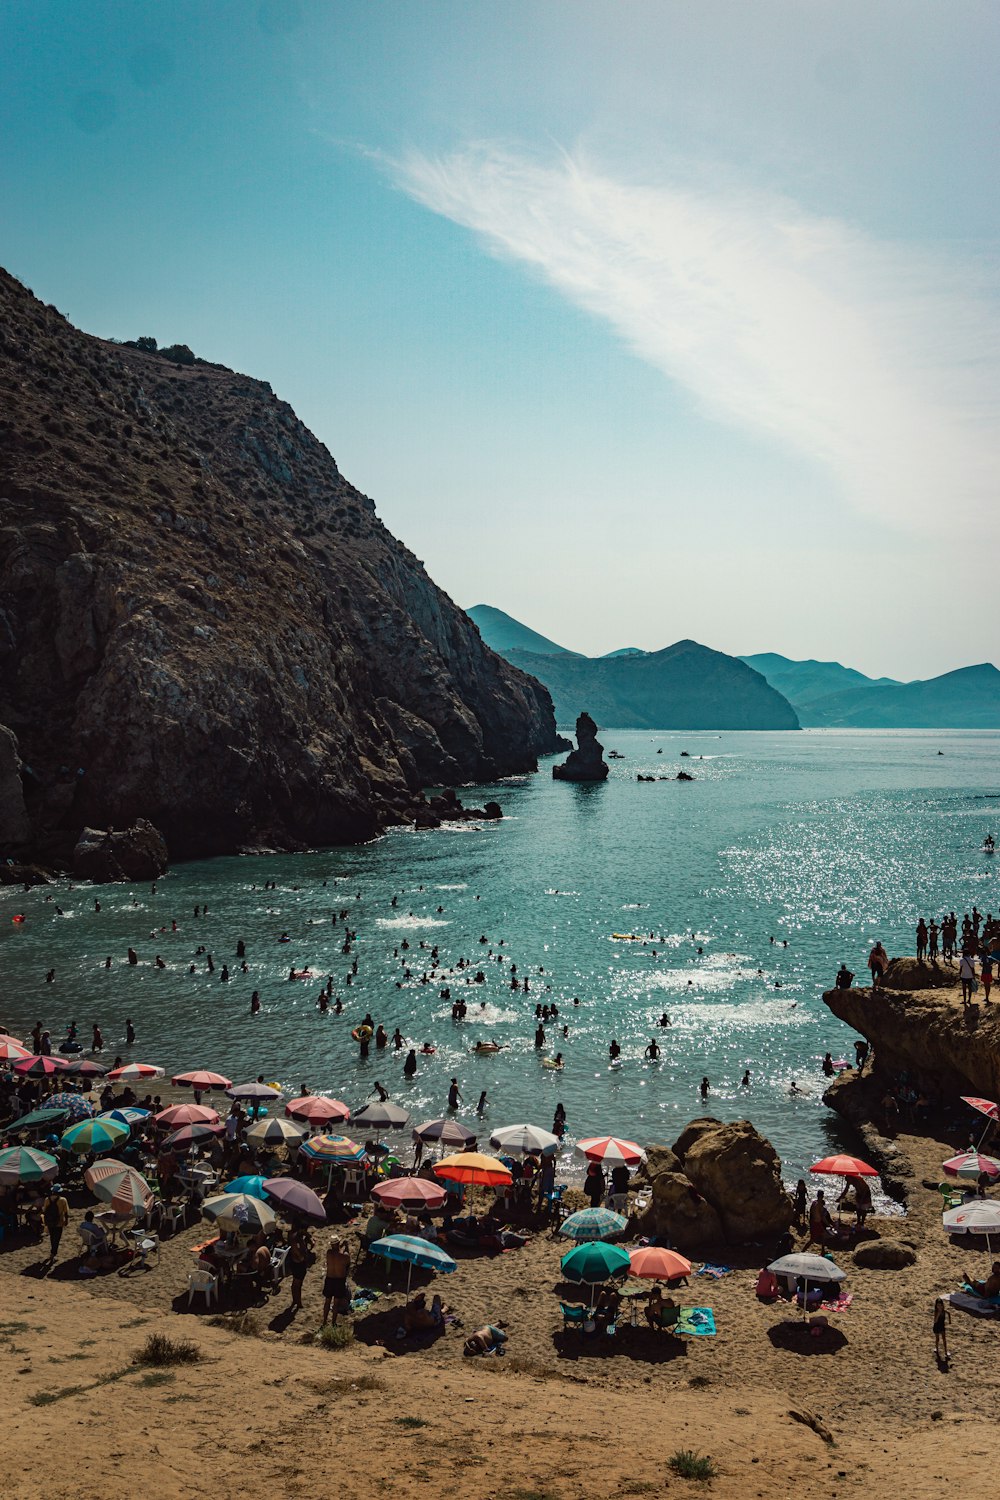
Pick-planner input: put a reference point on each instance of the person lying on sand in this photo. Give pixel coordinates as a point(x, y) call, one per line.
point(486, 1339)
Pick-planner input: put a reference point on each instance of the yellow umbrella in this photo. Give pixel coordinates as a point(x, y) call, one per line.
point(474, 1169)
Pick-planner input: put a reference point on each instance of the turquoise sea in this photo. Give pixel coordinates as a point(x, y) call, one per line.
point(823, 839)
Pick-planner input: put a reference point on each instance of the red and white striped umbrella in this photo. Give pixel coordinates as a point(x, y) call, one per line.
point(12, 1051)
point(35, 1067)
point(316, 1109)
point(611, 1150)
point(201, 1078)
point(187, 1114)
point(970, 1164)
point(984, 1106)
point(135, 1070)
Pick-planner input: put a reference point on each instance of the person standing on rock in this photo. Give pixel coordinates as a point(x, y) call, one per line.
point(933, 932)
point(921, 940)
point(877, 961)
point(967, 974)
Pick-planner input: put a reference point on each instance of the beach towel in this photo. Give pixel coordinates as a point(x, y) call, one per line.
point(715, 1272)
point(363, 1297)
point(698, 1321)
point(840, 1303)
point(980, 1307)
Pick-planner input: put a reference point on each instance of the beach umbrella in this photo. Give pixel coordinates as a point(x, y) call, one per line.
point(189, 1135)
point(611, 1151)
point(187, 1114)
point(594, 1262)
point(316, 1109)
point(414, 1251)
point(654, 1263)
point(338, 1150)
point(970, 1164)
point(276, 1132)
point(25, 1164)
point(525, 1140)
point(382, 1116)
point(40, 1067)
point(985, 1106)
point(129, 1116)
point(473, 1169)
point(593, 1224)
point(808, 1268)
point(12, 1051)
point(253, 1187)
point(124, 1189)
point(200, 1079)
point(85, 1067)
point(410, 1192)
point(444, 1133)
point(93, 1135)
point(75, 1105)
point(980, 1216)
point(294, 1197)
point(239, 1211)
point(135, 1070)
point(253, 1091)
point(38, 1118)
point(843, 1166)
point(103, 1175)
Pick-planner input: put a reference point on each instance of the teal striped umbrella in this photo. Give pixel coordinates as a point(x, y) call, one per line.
point(593, 1224)
point(37, 1118)
point(25, 1164)
point(94, 1135)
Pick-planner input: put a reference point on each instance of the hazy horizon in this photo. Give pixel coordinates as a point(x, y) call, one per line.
point(639, 323)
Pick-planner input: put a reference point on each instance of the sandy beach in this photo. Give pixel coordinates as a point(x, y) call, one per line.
point(311, 1417)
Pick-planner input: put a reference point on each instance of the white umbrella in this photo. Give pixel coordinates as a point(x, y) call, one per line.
point(980, 1216)
point(525, 1140)
point(809, 1268)
point(239, 1211)
point(445, 1133)
point(384, 1116)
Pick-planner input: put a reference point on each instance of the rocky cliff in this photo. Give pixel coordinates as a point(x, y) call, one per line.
point(204, 624)
point(916, 1023)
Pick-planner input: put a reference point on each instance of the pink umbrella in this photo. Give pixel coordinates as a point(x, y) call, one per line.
point(658, 1264)
point(187, 1114)
point(317, 1110)
point(295, 1197)
point(189, 1135)
point(11, 1051)
point(135, 1070)
point(201, 1079)
point(40, 1066)
point(609, 1149)
point(984, 1106)
point(410, 1192)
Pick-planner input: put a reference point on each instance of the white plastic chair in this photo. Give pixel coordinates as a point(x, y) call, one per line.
point(145, 1245)
point(205, 1282)
point(278, 1258)
point(354, 1185)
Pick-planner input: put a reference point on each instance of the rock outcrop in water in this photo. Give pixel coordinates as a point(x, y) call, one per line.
point(916, 1024)
point(203, 624)
point(586, 762)
point(136, 853)
point(719, 1182)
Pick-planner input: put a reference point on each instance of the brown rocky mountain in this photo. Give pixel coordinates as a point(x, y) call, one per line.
point(204, 624)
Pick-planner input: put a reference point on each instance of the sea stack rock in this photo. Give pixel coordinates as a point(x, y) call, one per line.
point(136, 853)
point(586, 762)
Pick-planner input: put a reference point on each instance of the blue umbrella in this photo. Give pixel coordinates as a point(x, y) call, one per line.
point(593, 1224)
point(252, 1187)
point(129, 1116)
point(415, 1252)
point(75, 1105)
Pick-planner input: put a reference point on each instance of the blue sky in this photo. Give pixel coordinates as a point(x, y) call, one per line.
point(639, 321)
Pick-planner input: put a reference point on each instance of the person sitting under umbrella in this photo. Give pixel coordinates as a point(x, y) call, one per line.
point(607, 1305)
point(417, 1317)
point(862, 1203)
point(661, 1312)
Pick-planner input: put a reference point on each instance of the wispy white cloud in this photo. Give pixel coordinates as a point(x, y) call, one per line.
point(880, 362)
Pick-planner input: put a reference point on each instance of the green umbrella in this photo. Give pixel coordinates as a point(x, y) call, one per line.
point(595, 1262)
point(94, 1135)
point(37, 1118)
point(25, 1164)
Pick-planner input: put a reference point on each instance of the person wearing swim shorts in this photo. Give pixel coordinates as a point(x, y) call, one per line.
point(335, 1293)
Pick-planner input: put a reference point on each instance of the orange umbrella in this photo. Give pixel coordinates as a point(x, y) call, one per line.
point(474, 1169)
point(658, 1264)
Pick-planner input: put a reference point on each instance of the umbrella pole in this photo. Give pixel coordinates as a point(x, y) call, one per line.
point(409, 1276)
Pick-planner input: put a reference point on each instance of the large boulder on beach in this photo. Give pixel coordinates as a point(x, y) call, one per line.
point(658, 1159)
point(680, 1215)
point(693, 1131)
point(885, 1255)
point(739, 1172)
point(136, 853)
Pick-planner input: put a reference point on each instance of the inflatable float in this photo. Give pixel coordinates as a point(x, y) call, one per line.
point(487, 1047)
point(301, 974)
point(550, 1062)
point(361, 1033)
